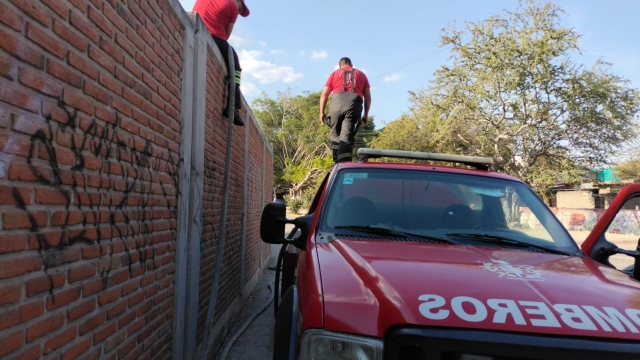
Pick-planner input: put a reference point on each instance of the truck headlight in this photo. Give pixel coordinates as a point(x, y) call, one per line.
point(326, 345)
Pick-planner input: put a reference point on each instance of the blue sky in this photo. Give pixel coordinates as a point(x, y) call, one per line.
point(296, 44)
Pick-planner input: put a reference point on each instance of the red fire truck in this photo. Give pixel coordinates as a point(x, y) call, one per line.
point(399, 260)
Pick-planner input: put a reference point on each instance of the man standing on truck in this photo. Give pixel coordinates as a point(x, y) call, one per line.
point(220, 16)
point(350, 87)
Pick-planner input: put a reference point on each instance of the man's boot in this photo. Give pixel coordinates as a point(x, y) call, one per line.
point(237, 119)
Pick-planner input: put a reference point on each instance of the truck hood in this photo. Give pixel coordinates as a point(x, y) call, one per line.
point(369, 286)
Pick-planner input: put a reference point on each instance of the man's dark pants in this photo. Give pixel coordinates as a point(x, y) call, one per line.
point(223, 45)
point(345, 113)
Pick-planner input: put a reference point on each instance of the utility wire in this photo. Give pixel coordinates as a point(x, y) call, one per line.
point(413, 62)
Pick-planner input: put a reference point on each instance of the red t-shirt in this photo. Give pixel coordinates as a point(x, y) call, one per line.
point(336, 80)
point(217, 14)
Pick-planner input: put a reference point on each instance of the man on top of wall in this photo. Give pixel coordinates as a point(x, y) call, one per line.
point(220, 16)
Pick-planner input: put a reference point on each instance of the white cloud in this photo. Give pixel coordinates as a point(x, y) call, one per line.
point(319, 55)
point(337, 67)
point(262, 43)
point(392, 78)
point(277, 52)
point(249, 88)
point(265, 71)
point(236, 41)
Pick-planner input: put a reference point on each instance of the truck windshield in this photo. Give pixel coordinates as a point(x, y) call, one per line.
point(466, 208)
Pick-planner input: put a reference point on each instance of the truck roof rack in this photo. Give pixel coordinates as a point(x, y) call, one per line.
point(477, 162)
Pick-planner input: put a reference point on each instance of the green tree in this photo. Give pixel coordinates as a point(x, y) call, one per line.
point(300, 142)
point(513, 93)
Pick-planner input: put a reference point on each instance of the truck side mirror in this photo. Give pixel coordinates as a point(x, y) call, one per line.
point(272, 222)
point(608, 251)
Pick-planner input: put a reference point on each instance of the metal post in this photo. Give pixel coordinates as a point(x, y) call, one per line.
point(184, 185)
point(196, 190)
point(223, 221)
point(264, 150)
point(244, 204)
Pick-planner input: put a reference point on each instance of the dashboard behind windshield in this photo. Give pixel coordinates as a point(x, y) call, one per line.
point(438, 204)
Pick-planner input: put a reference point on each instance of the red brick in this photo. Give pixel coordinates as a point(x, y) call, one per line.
point(126, 319)
point(92, 323)
point(135, 326)
point(93, 90)
point(12, 243)
point(117, 309)
point(31, 353)
point(10, 195)
point(91, 252)
point(121, 106)
point(81, 309)
point(57, 155)
point(11, 18)
point(45, 41)
point(110, 83)
point(33, 9)
point(58, 7)
point(62, 298)
point(109, 296)
point(98, 19)
point(19, 219)
point(136, 299)
point(19, 98)
point(65, 217)
point(80, 5)
point(106, 115)
point(53, 196)
point(39, 83)
point(83, 65)
point(57, 258)
point(102, 59)
point(45, 327)
point(10, 293)
point(92, 287)
point(87, 199)
point(45, 283)
point(11, 342)
point(79, 22)
point(21, 49)
point(48, 239)
point(8, 70)
point(101, 335)
point(69, 36)
point(130, 287)
point(81, 272)
point(78, 101)
point(63, 73)
point(115, 19)
point(126, 348)
point(17, 315)
point(60, 340)
point(20, 265)
point(75, 350)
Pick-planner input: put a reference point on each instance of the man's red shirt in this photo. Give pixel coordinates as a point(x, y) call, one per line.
point(216, 15)
point(336, 80)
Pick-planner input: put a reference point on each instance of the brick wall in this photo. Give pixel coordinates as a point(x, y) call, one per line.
point(94, 103)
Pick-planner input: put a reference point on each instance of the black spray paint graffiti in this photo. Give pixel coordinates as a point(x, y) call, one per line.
point(140, 187)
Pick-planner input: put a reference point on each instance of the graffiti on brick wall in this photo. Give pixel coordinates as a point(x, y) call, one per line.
point(625, 222)
point(118, 192)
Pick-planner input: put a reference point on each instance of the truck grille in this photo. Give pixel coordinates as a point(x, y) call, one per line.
point(413, 343)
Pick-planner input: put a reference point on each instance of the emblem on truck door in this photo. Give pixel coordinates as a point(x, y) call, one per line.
point(515, 272)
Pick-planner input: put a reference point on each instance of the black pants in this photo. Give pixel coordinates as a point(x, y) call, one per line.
point(345, 112)
point(223, 45)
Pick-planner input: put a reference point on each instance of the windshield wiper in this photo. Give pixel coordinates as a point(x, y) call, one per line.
point(495, 239)
point(402, 234)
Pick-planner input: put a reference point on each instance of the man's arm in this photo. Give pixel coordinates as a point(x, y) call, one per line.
point(367, 105)
point(323, 101)
point(228, 30)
